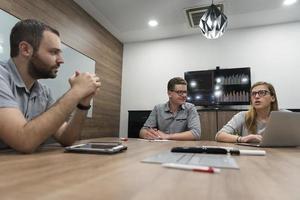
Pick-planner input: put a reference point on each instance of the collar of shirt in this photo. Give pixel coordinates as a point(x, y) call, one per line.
point(167, 107)
point(17, 79)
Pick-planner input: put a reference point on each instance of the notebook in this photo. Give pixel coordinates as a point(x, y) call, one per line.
point(283, 130)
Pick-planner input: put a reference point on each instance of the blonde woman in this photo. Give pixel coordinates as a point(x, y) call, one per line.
point(248, 126)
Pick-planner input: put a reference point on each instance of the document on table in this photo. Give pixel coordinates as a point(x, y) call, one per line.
point(212, 160)
point(154, 140)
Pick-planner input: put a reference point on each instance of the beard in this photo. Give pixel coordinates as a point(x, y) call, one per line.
point(38, 69)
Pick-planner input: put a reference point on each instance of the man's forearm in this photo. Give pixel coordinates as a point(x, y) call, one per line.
point(187, 135)
point(73, 128)
point(39, 129)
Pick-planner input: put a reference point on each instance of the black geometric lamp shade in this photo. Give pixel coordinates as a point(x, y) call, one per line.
point(213, 23)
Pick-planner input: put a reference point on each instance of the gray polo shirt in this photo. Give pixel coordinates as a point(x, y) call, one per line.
point(14, 94)
point(186, 119)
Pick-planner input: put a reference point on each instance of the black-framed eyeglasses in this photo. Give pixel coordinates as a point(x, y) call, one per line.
point(180, 92)
point(261, 93)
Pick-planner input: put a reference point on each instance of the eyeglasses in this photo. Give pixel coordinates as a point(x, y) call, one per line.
point(261, 93)
point(180, 92)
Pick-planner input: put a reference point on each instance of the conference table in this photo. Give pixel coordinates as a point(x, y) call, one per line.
point(52, 174)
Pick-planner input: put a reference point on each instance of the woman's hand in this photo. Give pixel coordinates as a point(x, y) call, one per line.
point(251, 138)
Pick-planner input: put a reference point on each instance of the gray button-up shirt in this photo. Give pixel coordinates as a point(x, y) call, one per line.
point(14, 94)
point(186, 119)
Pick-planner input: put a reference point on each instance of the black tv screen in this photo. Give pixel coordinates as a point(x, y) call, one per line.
point(219, 87)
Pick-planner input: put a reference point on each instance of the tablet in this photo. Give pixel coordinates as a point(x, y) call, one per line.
point(97, 147)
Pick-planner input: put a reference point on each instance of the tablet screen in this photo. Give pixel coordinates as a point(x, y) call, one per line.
point(97, 147)
point(102, 145)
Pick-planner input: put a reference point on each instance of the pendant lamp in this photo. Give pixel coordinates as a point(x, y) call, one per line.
point(213, 23)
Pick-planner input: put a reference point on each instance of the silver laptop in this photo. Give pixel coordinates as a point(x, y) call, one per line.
point(283, 130)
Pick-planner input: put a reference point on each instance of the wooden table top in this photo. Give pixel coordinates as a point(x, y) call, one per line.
point(52, 174)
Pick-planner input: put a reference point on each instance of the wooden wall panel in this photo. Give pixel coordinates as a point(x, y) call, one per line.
point(84, 34)
point(224, 117)
point(208, 120)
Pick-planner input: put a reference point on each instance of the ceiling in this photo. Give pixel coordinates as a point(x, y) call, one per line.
point(128, 20)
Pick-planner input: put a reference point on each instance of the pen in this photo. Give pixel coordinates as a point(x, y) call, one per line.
point(149, 127)
point(247, 152)
point(194, 168)
point(218, 150)
point(154, 129)
point(210, 150)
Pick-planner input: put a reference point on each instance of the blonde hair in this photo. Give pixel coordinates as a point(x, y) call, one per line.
point(251, 115)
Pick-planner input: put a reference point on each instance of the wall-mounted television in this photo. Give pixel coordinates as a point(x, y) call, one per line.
point(219, 86)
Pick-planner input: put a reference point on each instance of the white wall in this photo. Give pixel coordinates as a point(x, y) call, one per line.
point(272, 52)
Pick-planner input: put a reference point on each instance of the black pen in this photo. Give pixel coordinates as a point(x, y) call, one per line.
point(217, 150)
point(210, 150)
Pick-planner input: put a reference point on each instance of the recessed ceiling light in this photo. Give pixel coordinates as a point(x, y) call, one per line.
point(289, 2)
point(152, 23)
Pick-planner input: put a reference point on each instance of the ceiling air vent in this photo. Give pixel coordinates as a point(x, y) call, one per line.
point(194, 14)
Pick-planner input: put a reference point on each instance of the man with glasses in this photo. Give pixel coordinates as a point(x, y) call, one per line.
point(175, 119)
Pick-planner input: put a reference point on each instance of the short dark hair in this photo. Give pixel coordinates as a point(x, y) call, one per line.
point(175, 81)
point(29, 30)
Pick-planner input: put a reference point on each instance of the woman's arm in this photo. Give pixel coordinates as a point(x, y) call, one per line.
point(235, 125)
